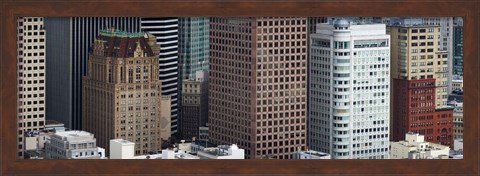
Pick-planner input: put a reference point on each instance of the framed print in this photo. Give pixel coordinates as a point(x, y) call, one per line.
point(291, 87)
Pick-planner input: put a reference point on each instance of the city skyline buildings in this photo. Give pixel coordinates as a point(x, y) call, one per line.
point(165, 29)
point(420, 76)
point(441, 53)
point(69, 41)
point(193, 56)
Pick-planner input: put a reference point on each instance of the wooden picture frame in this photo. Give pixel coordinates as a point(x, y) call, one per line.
point(11, 9)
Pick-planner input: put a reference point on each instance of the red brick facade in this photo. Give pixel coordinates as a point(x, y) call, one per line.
point(414, 110)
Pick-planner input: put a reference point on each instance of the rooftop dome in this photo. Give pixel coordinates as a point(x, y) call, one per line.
point(341, 23)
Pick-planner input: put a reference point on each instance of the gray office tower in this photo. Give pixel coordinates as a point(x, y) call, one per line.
point(68, 42)
point(165, 29)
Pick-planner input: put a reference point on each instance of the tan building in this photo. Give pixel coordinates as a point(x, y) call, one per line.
point(257, 84)
point(122, 93)
point(415, 56)
point(194, 105)
point(31, 77)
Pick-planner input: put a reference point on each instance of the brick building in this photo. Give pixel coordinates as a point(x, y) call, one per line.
point(415, 112)
point(420, 73)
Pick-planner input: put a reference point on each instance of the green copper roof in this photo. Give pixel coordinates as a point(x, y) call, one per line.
point(119, 33)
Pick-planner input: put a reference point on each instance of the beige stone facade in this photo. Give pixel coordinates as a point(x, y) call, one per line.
point(31, 55)
point(415, 55)
point(122, 93)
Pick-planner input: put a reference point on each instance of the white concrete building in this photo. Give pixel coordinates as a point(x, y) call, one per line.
point(72, 145)
point(349, 97)
point(121, 149)
point(310, 155)
point(222, 152)
point(415, 147)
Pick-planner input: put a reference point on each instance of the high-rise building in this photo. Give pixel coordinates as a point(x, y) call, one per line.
point(193, 56)
point(457, 51)
point(194, 111)
point(257, 84)
point(165, 29)
point(446, 25)
point(349, 90)
point(193, 46)
point(122, 95)
point(31, 77)
point(445, 39)
point(69, 41)
point(420, 79)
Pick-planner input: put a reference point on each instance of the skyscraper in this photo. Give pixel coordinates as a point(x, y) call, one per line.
point(69, 41)
point(458, 51)
point(420, 75)
point(446, 41)
point(193, 55)
point(257, 84)
point(122, 94)
point(349, 90)
point(31, 77)
point(165, 29)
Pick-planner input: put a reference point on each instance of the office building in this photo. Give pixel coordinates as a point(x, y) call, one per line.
point(194, 111)
point(458, 51)
point(257, 84)
point(445, 42)
point(165, 30)
point(415, 147)
point(72, 145)
point(420, 79)
point(349, 90)
point(193, 50)
point(31, 72)
point(122, 95)
point(69, 41)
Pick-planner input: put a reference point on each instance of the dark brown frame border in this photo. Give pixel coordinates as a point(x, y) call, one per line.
point(10, 9)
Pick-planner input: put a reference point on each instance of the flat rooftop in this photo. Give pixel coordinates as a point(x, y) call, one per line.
point(123, 141)
point(315, 153)
point(74, 133)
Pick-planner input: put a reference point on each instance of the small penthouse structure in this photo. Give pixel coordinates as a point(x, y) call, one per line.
point(415, 147)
